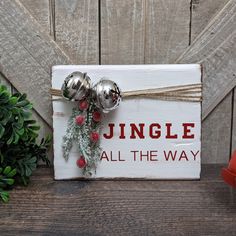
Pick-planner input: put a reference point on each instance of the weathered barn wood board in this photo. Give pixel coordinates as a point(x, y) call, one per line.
point(24, 45)
point(76, 29)
point(48, 207)
point(122, 31)
point(202, 13)
point(213, 48)
point(233, 148)
point(216, 132)
point(40, 10)
point(213, 150)
point(166, 30)
point(217, 125)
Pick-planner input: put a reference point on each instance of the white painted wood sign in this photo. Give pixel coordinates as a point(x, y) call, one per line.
point(168, 145)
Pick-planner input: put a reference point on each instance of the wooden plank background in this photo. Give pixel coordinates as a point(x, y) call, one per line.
point(35, 35)
point(177, 208)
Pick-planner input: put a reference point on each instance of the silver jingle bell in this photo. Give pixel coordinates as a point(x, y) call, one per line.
point(107, 95)
point(76, 86)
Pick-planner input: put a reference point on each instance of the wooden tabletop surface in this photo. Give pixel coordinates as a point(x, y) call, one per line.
point(48, 207)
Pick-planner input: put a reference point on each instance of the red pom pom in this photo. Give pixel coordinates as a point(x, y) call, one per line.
point(81, 163)
point(94, 136)
point(79, 120)
point(83, 105)
point(97, 116)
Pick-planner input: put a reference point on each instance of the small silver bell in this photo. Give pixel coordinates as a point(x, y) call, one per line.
point(76, 86)
point(107, 95)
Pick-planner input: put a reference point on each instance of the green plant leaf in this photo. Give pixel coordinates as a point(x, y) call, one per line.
point(19, 148)
point(8, 181)
point(28, 171)
point(1, 159)
point(13, 100)
point(2, 130)
point(22, 103)
point(20, 131)
point(4, 196)
point(10, 140)
point(3, 88)
point(7, 114)
point(16, 138)
point(7, 170)
point(35, 127)
point(11, 173)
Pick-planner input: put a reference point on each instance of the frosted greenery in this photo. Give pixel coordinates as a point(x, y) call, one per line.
point(79, 135)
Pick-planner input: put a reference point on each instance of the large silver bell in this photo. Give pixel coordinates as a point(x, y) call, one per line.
point(107, 95)
point(76, 86)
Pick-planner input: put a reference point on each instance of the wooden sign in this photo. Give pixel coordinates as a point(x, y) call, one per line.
point(144, 137)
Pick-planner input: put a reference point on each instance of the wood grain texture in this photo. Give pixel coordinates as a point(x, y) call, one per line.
point(122, 31)
point(203, 11)
point(40, 11)
point(167, 30)
point(233, 147)
point(216, 128)
point(76, 29)
point(27, 55)
point(216, 132)
point(47, 207)
point(213, 48)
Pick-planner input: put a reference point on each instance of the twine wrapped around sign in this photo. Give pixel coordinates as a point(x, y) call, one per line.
point(188, 93)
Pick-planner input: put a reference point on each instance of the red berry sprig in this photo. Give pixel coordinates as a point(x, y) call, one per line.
point(94, 136)
point(79, 120)
point(96, 116)
point(81, 162)
point(83, 105)
point(89, 119)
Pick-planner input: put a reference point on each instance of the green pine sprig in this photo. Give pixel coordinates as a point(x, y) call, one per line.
point(80, 136)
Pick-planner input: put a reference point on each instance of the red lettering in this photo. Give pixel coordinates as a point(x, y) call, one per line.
point(119, 158)
point(187, 130)
point(144, 155)
point(155, 134)
point(122, 131)
point(194, 155)
point(170, 154)
point(168, 132)
point(183, 155)
point(134, 154)
point(111, 133)
point(152, 155)
point(139, 132)
point(104, 156)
